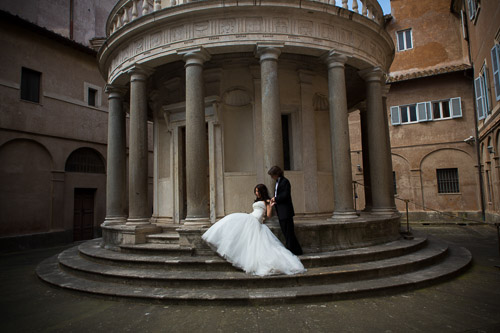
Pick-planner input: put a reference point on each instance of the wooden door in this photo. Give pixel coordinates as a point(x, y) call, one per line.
point(83, 219)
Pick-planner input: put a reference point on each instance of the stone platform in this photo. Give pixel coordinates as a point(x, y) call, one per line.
point(162, 270)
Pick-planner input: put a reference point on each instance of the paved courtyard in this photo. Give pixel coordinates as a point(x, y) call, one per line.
point(469, 303)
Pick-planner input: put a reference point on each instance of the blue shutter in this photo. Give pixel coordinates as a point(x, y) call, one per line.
point(456, 107)
point(395, 118)
point(495, 60)
point(478, 88)
point(472, 9)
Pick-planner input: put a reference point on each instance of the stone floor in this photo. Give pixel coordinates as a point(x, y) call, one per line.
point(470, 302)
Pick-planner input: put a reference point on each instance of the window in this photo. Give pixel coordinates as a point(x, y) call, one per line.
point(481, 93)
point(441, 110)
point(285, 127)
point(405, 41)
point(394, 183)
point(495, 64)
point(30, 85)
point(473, 9)
point(409, 114)
point(447, 180)
point(85, 160)
point(488, 183)
point(426, 111)
point(92, 96)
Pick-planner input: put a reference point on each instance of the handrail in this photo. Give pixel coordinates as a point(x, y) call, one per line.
point(126, 11)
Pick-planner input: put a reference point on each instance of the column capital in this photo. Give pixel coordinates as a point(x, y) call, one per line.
point(115, 90)
point(335, 59)
point(139, 72)
point(268, 51)
point(372, 74)
point(305, 76)
point(194, 55)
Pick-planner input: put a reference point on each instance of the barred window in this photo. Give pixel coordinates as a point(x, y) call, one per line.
point(447, 180)
point(85, 160)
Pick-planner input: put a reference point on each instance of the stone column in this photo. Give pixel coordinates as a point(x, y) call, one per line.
point(378, 144)
point(339, 126)
point(309, 158)
point(116, 200)
point(139, 212)
point(272, 138)
point(196, 139)
point(366, 160)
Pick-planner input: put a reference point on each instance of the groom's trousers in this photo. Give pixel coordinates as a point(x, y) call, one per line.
point(291, 242)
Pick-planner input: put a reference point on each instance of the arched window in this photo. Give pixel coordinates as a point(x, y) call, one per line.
point(85, 160)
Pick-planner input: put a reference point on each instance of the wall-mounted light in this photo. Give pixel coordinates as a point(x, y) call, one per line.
point(490, 150)
point(470, 140)
point(359, 168)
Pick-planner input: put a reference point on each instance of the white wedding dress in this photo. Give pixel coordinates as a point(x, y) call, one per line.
point(248, 244)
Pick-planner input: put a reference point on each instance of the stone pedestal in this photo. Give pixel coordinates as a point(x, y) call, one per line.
point(121, 234)
point(339, 126)
point(116, 162)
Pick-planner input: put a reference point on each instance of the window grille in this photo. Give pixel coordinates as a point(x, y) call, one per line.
point(447, 180)
point(85, 160)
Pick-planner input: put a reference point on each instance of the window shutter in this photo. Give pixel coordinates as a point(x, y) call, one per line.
point(428, 106)
point(456, 107)
point(478, 87)
point(395, 119)
point(472, 9)
point(401, 42)
point(422, 112)
point(495, 60)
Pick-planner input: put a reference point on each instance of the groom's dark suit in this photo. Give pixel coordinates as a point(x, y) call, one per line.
point(284, 209)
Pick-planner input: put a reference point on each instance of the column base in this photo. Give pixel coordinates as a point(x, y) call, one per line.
point(196, 222)
point(343, 216)
point(113, 220)
point(138, 221)
point(384, 211)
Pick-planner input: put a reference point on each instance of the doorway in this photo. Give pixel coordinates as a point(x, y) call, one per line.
point(83, 216)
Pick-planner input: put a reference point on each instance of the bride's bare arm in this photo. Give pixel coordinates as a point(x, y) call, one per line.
point(269, 209)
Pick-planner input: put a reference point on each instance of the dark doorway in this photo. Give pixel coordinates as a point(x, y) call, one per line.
point(83, 218)
point(285, 127)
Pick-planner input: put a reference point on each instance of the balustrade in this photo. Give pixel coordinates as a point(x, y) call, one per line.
point(126, 11)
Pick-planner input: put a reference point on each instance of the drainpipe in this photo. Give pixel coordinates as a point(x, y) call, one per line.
point(71, 19)
point(476, 124)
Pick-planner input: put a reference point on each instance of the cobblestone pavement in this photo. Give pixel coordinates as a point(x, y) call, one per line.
point(469, 303)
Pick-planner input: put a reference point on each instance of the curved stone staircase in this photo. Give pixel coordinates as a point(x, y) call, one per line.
point(162, 270)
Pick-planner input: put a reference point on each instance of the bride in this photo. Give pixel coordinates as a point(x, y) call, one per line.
point(247, 243)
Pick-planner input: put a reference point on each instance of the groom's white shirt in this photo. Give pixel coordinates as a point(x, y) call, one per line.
point(276, 187)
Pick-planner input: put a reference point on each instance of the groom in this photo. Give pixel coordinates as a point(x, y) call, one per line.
point(282, 200)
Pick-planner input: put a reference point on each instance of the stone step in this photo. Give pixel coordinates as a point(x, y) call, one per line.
point(456, 262)
point(163, 238)
point(166, 249)
point(93, 251)
point(71, 261)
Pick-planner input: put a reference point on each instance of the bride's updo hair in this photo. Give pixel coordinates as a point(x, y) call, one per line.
point(264, 194)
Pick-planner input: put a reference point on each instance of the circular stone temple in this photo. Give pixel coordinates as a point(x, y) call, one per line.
point(231, 88)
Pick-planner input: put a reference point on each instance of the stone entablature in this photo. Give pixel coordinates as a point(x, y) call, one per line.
point(306, 27)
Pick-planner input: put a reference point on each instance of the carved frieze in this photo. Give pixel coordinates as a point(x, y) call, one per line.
point(325, 34)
